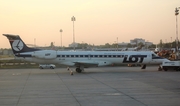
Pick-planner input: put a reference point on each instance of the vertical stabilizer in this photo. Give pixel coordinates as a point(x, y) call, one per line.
point(17, 45)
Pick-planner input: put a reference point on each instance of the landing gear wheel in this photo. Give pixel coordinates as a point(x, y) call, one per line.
point(165, 69)
point(177, 69)
point(159, 69)
point(78, 70)
point(143, 66)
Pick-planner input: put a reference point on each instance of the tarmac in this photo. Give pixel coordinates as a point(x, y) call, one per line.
point(102, 86)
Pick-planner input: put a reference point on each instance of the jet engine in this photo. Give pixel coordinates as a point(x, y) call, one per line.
point(45, 54)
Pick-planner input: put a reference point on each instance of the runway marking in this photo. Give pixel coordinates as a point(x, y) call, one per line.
point(16, 74)
point(23, 89)
point(118, 92)
point(68, 88)
point(113, 94)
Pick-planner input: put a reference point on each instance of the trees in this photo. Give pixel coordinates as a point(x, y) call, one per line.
point(167, 45)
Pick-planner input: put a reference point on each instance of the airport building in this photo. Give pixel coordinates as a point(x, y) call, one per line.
point(73, 45)
point(135, 42)
point(6, 52)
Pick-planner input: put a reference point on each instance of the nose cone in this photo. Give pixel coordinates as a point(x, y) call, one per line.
point(165, 59)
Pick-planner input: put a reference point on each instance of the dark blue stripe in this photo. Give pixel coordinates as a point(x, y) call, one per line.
point(25, 55)
point(157, 58)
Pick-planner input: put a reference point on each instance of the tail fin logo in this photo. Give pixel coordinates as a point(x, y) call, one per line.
point(17, 45)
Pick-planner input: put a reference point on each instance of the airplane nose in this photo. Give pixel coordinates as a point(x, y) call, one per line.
point(166, 60)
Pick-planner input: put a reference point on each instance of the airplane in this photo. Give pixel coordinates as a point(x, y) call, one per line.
point(81, 59)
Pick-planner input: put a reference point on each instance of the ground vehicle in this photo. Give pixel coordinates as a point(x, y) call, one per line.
point(42, 66)
point(175, 65)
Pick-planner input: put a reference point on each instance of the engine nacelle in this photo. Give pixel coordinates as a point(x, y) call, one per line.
point(45, 54)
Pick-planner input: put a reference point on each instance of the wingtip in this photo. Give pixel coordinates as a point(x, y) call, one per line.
point(9, 35)
point(6, 34)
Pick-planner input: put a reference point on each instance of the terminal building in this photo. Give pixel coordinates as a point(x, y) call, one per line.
point(135, 42)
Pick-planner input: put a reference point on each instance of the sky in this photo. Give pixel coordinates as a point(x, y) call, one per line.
point(97, 21)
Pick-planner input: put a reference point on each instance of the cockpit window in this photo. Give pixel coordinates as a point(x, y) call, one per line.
point(154, 55)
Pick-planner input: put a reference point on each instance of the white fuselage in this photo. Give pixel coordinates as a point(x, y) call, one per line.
point(94, 58)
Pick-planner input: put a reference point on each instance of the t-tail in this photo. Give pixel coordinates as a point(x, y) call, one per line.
point(17, 45)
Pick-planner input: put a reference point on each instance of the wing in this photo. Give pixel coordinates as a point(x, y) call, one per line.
point(86, 64)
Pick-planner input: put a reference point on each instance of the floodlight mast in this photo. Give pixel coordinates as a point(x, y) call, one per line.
point(177, 40)
point(73, 19)
point(61, 37)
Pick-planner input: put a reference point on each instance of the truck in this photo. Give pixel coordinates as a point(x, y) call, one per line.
point(175, 65)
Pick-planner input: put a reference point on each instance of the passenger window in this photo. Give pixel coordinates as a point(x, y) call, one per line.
point(153, 55)
point(95, 55)
point(114, 55)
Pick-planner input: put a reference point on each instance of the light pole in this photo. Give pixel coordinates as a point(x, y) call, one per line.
point(35, 42)
point(177, 48)
point(147, 44)
point(73, 19)
point(61, 36)
point(171, 42)
point(117, 44)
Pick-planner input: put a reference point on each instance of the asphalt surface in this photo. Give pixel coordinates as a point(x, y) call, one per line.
point(106, 86)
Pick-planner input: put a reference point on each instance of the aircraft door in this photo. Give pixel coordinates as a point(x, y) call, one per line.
point(62, 57)
point(89, 56)
point(149, 58)
point(153, 59)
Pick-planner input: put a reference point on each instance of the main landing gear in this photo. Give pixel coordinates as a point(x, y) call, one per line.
point(78, 69)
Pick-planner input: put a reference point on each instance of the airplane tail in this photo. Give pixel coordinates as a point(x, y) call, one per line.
point(17, 45)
